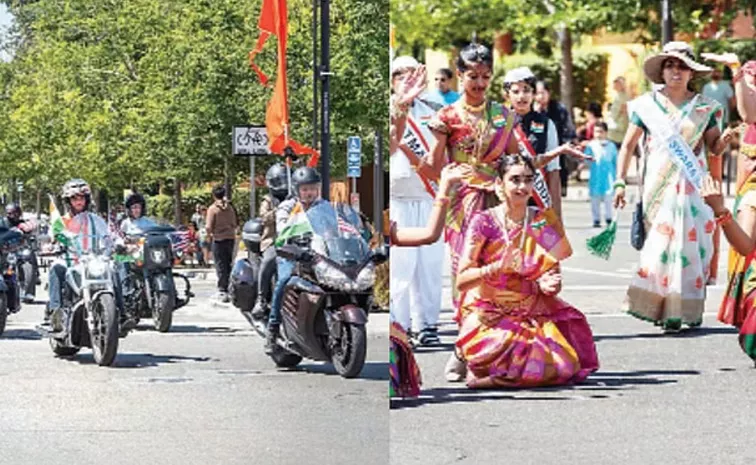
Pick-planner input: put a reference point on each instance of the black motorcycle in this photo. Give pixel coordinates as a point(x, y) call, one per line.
point(28, 276)
point(10, 293)
point(325, 304)
point(243, 284)
point(149, 285)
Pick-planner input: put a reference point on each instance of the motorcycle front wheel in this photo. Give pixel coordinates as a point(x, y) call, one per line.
point(162, 313)
point(105, 336)
point(349, 357)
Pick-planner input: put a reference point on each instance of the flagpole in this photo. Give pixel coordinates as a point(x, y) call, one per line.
point(325, 90)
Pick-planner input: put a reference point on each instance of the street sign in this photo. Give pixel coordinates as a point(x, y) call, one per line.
point(354, 157)
point(19, 186)
point(250, 141)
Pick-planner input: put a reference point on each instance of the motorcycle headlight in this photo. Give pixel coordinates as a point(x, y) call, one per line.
point(97, 269)
point(159, 257)
point(366, 278)
point(331, 276)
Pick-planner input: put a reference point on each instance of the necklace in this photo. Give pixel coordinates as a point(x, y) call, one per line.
point(478, 126)
point(474, 109)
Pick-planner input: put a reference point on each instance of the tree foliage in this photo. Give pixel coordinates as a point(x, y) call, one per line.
point(136, 93)
point(440, 24)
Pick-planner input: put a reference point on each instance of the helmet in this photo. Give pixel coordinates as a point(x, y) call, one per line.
point(305, 175)
point(13, 212)
point(76, 187)
point(277, 181)
point(134, 199)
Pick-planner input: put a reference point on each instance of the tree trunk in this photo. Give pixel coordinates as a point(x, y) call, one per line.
point(177, 201)
point(39, 202)
point(566, 81)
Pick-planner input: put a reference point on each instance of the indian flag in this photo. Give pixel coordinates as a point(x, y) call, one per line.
point(56, 223)
point(296, 225)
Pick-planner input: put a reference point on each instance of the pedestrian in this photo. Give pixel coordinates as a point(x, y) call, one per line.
point(415, 271)
point(602, 174)
point(221, 227)
point(199, 218)
point(560, 115)
point(669, 288)
point(513, 334)
point(538, 138)
point(443, 91)
point(618, 118)
point(738, 306)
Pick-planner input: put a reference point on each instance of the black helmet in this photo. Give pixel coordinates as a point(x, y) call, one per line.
point(134, 199)
point(277, 181)
point(76, 187)
point(13, 212)
point(305, 175)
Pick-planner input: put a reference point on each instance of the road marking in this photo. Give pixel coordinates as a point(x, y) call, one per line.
point(597, 272)
point(613, 287)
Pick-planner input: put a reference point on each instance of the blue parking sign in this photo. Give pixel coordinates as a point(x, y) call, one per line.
point(354, 157)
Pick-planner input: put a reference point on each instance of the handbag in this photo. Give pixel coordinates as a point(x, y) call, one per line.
point(638, 228)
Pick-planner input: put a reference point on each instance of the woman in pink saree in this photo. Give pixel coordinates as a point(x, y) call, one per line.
point(515, 331)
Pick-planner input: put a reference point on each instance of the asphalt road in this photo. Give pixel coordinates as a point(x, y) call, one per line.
point(684, 399)
point(204, 393)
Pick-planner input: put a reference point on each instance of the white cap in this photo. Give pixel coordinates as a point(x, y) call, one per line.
point(403, 62)
point(518, 75)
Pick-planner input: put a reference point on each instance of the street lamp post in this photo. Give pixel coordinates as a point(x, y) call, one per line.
point(325, 97)
point(666, 22)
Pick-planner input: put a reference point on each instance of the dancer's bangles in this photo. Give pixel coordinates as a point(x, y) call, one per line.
point(724, 218)
point(441, 202)
point(619, 184)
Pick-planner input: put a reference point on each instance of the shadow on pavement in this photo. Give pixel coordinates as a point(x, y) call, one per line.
point(25, 334)
point(685, 333)
point(377, 371)
point(601, 381)
point(132, 360)
point(192, 329)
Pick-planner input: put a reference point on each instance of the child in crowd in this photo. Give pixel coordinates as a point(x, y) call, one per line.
point(602, 174)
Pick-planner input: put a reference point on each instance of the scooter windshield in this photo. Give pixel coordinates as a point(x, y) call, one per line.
point(336, 227)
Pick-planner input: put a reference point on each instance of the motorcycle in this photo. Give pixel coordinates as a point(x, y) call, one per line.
point(27, 277)
point(90, 314)
point(324, 311)
point(10, 292)
point(149, 286)
point(244, 275)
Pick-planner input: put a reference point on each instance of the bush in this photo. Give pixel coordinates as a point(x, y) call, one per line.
point(590, 74)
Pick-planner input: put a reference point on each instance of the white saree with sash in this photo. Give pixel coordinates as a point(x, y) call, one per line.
point(670, 284)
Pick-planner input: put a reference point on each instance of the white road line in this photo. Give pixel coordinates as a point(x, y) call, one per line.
point(597, 272)
point(612, 287)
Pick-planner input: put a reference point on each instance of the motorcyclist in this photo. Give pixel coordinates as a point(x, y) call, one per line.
point(136, 222)
point(14, 219)
point(306, 183)
point(277, 181)
point(80, 229)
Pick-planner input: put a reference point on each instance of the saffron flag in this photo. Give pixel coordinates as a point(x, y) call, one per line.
point(274, 21)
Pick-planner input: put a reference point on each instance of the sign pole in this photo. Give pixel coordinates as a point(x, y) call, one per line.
point(252, 202)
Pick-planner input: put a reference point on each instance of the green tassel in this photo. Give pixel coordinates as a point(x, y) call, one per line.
point(602, 243)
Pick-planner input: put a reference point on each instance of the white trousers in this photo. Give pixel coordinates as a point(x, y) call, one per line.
point(596, 202)
point(415, 271)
